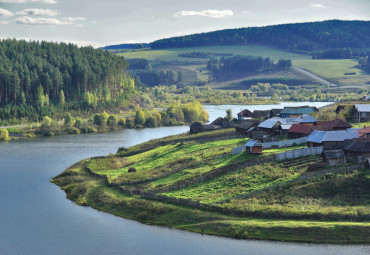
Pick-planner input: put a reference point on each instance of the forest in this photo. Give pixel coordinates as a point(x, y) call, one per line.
point(38, 78)
point(246, 64)
point(300, 37)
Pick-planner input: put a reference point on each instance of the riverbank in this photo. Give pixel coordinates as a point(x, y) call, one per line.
point(267, 215)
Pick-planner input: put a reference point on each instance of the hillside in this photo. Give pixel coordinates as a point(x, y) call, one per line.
point(305, 37)
point(42, 78)
point(193, 182)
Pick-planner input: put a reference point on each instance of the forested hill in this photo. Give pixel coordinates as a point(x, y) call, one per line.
point(32, 71)
point(305, 37)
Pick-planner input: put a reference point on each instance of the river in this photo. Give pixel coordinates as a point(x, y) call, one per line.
point(36, 217)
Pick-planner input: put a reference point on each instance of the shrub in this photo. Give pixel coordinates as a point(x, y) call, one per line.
point(112, 120)
point(122, 122)
point(4, 134)
point(132, 170)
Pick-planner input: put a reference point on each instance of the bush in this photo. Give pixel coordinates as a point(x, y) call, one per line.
point(72, 130)
point(112, 120)
point(4, 134)
point(132, 170)
point(122, 122)
point(122, 149)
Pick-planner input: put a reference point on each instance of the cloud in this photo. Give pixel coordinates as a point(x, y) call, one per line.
point(28, 1)
point(40, 21)
point(317, 5)
point(206, 13)
point(38, 12)
point(5, 13)
point(3, 22)
point(70, 19)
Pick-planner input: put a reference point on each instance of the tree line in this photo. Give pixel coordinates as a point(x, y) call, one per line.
point(246, 64)
point(302, 37)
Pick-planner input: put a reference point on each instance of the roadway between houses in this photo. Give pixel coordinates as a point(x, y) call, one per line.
point(313, 76)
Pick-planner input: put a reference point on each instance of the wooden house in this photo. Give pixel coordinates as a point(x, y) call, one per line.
point(254, 146)
point(329, 139)
point(245, 127)
point(361, 112)
point(356, 149)
point(332, 125)
point(334, 157)
point(245, 115)
point(364, 132)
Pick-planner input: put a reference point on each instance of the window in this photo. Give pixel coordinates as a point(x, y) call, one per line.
point(364, 114)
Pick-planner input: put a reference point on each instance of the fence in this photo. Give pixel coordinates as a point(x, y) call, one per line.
point(299, 153)
point(269, 145)
point(238, 150)
point(285, 143)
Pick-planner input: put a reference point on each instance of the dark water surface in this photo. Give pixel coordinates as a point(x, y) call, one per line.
point(36, 218)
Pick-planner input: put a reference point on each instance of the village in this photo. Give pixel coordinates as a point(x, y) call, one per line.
point(336, 140)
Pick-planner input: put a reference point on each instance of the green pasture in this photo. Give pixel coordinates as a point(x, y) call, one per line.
point(251, 50)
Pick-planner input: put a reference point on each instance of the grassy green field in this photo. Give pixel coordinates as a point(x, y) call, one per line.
point(334, 70)
point(271, 200)
point(251, 50)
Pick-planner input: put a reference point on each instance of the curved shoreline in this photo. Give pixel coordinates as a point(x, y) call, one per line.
point(86, 190)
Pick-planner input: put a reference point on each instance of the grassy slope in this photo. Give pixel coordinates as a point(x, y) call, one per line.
point(252, 50)
point(319, 198)
point(334, 69)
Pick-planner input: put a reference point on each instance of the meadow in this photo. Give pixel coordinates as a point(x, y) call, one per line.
point(248, 196)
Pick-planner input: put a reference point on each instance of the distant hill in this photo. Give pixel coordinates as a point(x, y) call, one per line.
point(300, 37)
point(126, 46)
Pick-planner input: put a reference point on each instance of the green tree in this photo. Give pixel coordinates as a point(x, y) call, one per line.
point(40, 97)
point(112, 120)
point(68, 120)
point(106, 93)
point(122, 122)
point(229, 114)
point(139, 117)
point(4, 134)
point(61, 98)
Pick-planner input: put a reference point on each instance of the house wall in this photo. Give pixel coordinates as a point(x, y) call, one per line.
point(337, 161)
point(257, 149)
point(364, 116)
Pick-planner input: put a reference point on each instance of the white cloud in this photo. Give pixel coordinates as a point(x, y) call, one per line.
point(3, 22)
point(38, 12)
point(317, 5)
point(29, 1)
point(5, 13)
point(206, 13)
point(70, 19)
point(40, 21)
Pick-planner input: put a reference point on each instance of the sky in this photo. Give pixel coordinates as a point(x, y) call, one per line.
point(101, 23)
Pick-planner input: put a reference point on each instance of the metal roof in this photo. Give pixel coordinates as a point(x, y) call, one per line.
point(363, 107)
point(252, 143)
point(270, 123)
point(331, 136)
point(305, 118)
point(298, 110)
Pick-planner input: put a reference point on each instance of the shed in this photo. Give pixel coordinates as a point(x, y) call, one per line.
point(244, 127)
point(254, 146)
point(334, 157)
point(357, 149)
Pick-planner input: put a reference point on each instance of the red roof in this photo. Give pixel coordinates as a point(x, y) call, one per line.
point(363, 131)
point(300, 128)
point(337, 123)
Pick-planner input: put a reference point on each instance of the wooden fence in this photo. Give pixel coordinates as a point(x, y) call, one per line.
point(299, 153)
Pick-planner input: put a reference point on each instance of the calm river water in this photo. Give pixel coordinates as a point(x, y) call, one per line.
point(36, 217)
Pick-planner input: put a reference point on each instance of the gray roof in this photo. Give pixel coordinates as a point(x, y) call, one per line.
point(305, 118)
point(270, 123)
point(331, 136)
point(333, 154)
point(363, 107)
point(252, 143)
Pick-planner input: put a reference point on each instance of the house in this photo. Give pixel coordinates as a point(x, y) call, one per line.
point(261, 114)
point(281, 126)
point(334, 157)
point(222, 123)
point(329, 139)
point(254, 146)
point(356, 149)
point(305, 119)
point(197, 127)
point(337, 124)
point(299, 130)
point(275, 112)
point(245, 114)
point(361, 112)
point(259, 135)
point(271, 126)
point(364, 132)
point(245, 127)
point(289, 112)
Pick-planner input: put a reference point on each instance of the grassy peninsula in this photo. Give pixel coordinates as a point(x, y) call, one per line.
point(194, 183)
